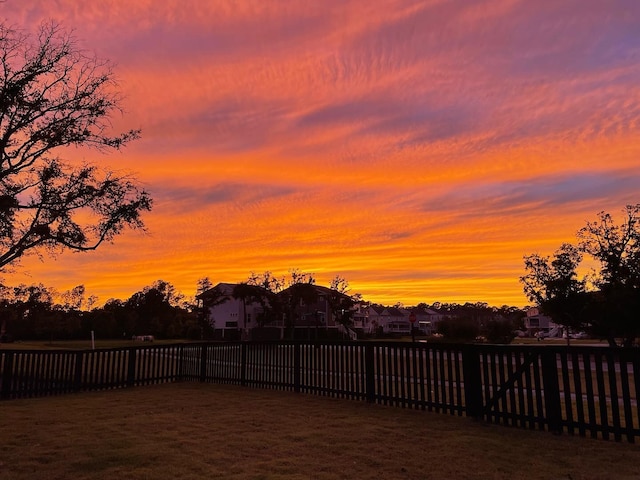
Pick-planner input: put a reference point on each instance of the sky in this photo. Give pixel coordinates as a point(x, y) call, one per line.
point(418, 149)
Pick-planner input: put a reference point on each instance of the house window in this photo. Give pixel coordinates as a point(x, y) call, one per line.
point(534, 322)
point(231, 324)
point(248, 318)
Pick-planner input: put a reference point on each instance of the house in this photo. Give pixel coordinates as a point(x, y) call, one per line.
point(389, 320)
point(536, 323)
point(361, 317)
point(255, 313)
point(375, 319)
point(309, 308)
point(231, 318)
point(427, 320)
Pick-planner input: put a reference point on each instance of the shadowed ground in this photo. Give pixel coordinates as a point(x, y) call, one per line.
point(203, 431)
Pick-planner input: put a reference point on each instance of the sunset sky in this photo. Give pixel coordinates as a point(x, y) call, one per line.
point(417, 148)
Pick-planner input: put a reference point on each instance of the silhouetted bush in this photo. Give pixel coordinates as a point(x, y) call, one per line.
point(499, 331)
point(458, 329)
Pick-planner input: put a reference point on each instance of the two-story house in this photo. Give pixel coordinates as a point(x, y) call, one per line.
point(309, 308)
point(536, 323)
point(235, 311)
point(427, 320)
point(388, 320)
point(230, 317)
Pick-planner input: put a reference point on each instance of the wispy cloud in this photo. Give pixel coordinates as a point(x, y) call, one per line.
point(418, 147)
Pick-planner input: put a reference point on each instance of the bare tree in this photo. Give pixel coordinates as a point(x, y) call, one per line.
point(298, 277)
point(52, 96)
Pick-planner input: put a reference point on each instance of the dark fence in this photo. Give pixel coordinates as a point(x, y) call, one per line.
point(25, 373)
point(589, 391)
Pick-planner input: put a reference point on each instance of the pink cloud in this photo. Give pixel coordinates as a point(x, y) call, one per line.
point(411, 144)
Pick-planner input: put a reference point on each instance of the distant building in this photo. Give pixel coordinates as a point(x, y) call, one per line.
point(535, 323)
point(231, 318)
point(388, 320)
point(427, 320)
point(239, 319)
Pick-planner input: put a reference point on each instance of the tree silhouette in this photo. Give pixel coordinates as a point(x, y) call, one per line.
point(554, 286)
point(54, 96)
point(340, 302)
point(297, 296)
point(610, 309)
point(266, 280)
point(613, 310)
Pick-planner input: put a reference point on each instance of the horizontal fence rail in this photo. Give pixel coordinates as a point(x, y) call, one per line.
point(588, 391)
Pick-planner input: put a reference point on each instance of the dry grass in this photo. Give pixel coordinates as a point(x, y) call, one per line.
point(204, 431)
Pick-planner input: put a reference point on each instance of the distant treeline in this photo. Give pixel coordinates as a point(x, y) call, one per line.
point(40, 312)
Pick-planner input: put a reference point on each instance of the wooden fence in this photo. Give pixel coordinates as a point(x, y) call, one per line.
point(589, 391)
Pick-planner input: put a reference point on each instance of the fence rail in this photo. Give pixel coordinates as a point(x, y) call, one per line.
point(589, 391)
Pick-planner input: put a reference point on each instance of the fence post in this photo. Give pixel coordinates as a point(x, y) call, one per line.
point(370, 382)
point(77, 377)
point(243, 364)
point(180, 368)
point(5, 390)
point(203, 363)
point(472, 381)
point(131, 368)
point(551, 388)
point(296, 367)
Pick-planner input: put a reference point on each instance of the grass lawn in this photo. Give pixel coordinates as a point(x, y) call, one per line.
point(204, 431)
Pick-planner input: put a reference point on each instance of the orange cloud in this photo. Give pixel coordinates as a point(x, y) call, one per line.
point(418, 149)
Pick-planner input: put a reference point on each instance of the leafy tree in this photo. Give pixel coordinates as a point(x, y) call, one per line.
point(340, 302)
point(499, 331)
point(74, 299)
point(104, 321)
point(119, 319)
point(168, 292)
point(156, 310)
point(616, 247)
point(8, 313)
point(610, 311)
point(553, 285)
point(35, 314)
point(458, 329)
point(203, 285)
point(53, 96)
point(614, 307)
